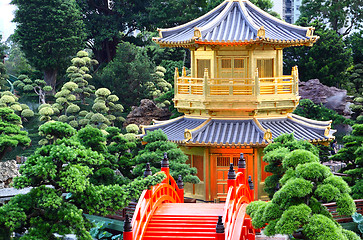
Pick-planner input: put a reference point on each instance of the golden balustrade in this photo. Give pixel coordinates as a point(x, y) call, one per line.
point(210, 87)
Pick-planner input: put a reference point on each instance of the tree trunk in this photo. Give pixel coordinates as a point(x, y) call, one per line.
point(50, 77)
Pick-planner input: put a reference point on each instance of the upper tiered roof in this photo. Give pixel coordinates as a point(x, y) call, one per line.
point(240, 132)
point(236, 22)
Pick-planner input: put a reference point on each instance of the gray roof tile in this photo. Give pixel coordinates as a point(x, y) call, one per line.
point(234, 21)
point(238, 132)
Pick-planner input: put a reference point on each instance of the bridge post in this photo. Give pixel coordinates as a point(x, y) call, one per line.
point(165, 167)
point(250, 184)
point(180, 190)
point(220, 234)
point(127, 235)
point(242, 165)
point(147, 172)
point(231, 182)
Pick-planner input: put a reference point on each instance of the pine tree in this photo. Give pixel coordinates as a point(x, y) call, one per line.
point(153, 153)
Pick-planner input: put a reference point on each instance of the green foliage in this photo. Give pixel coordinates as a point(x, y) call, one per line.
point(337, 14)
point(298, 156)
point(132, 128)
point(352, 155)
point(327, 60)
point(321, 227)
point(72, 168)
point(293, 218)
point(56, 130)
point(308, 109)
point(11, 134)
point(276, 152)
point(157, 144)
point(130, 70)
point(305, 185)
point(158, 86)
point(355, 42)
point(355, 83)
point(78, 73)
point(7, 99)
point(49, 35)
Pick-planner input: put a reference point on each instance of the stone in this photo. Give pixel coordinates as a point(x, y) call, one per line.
point(8, 170)
point(331, 97)
point(145, 113)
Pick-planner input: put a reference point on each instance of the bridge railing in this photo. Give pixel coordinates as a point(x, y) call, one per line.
point(168, 191)
point(240, 192)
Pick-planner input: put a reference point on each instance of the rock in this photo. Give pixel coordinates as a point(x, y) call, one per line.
point(145, 113)
point(8, 170)
point(331, 97)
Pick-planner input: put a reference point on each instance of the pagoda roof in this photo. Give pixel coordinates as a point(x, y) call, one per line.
point(236, 22)
point(187, 130)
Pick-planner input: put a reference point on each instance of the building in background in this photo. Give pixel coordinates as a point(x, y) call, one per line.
point(289, 10)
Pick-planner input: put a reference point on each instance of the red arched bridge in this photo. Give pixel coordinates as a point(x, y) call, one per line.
point(162, 214)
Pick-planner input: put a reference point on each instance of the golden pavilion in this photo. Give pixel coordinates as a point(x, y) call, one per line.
point(236, 99)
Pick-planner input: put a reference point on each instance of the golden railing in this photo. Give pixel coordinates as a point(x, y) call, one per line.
point(209, 87)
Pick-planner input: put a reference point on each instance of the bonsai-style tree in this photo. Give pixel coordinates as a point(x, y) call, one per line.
point(107, 110)
point(351, 154)
point(157, 145)
point(275, 153)
point(79, 73)
point(159, 86)
point(119, 146)
point(39, 86)
point(7, 99)
point(297, 206)
point(11, 134)
point(65, 177)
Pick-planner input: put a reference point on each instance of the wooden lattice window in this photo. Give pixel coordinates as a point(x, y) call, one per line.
point(239, 63)
point(226, 63)
point(265, 68)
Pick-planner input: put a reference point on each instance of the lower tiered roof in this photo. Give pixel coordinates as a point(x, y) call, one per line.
point(187, 130)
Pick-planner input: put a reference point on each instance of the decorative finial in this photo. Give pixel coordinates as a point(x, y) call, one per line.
point(179, 182)
point(220, 225)
point(127, 224)
point(241, 161)
point(147, 171)
point(231, 173)
point(165, 162)
point(250, 183)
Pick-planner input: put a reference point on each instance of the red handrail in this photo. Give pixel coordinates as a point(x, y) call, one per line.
point(236, 222)
point(150, 200)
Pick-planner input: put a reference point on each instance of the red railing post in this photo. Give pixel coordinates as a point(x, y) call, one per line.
point(242, 165)
point(127, 234)
point(180, 190)
point(147, 172)
point(220, 234)
point(231, 182)
point(250, 184)
point(165, 167)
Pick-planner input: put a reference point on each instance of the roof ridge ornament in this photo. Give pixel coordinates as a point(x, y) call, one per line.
point(261, 32)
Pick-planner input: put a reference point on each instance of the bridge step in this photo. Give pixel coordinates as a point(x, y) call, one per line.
point(184, 221)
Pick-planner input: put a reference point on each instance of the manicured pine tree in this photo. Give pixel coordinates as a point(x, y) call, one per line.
point(7, 99)
point(297, 206)
point(25, 85)
point(157, 145)
point(275, 153)
point(11, 134)
point(76, 174)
